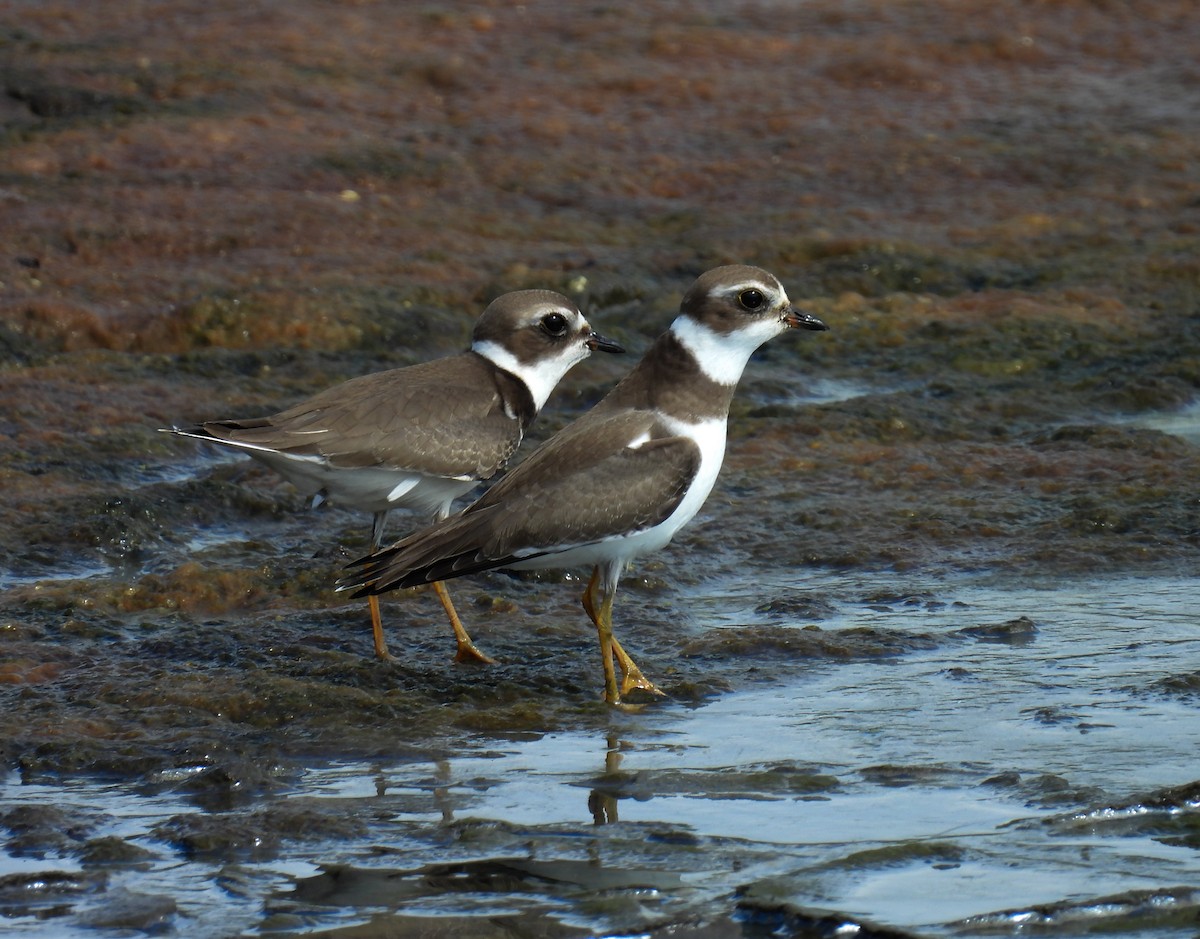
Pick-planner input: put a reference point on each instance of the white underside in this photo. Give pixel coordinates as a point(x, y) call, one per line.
point(619, 550)
point(367, 488)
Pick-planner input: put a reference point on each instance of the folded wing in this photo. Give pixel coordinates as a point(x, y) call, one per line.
point(562, 497)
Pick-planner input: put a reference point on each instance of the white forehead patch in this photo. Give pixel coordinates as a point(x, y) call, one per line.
point(541, 310)
point(772, 290)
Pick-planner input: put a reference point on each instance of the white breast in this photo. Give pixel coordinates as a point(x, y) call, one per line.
point(709, 436)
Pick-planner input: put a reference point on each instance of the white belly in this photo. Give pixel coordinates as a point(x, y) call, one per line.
point(368, 488)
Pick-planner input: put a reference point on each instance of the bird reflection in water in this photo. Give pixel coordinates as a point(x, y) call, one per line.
point(602, 800)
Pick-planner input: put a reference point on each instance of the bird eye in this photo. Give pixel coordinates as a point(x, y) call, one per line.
point(751, 299)
point(555, 324)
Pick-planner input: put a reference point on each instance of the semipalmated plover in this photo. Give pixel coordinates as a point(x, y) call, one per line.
point(622, 479)
point(423, 435)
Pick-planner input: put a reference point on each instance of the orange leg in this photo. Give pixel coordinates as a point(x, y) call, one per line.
point(631, 675)
point(604, 628)
point(467, 650)
point(589, 596)
point(381, 650)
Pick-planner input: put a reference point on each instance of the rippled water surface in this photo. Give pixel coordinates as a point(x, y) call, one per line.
point(1011, 763)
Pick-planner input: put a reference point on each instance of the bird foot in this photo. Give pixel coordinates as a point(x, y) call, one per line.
point(631, 676)
point(636, 680)
point(631, 681)
point(469, 652)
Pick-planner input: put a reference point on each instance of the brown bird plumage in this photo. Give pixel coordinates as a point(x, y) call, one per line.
point(623, 478)
point(422, 436)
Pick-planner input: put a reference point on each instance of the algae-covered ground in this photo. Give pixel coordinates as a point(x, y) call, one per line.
point(213, 210)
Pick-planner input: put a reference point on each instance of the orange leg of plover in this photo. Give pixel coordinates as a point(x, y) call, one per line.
point(381, 650)
point(467, 650)
point(631, 675)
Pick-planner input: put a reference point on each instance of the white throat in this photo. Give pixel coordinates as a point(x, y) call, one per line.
point(539, 376)
point(723, 357)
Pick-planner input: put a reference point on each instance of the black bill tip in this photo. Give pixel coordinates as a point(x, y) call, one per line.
point(598, 343)
point(798, 319)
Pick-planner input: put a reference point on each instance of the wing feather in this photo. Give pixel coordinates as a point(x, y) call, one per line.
point(451, 411)
point(584, 486)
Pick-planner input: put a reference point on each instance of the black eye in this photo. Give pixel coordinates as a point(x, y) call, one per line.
point(751, 299)
point(555, 324)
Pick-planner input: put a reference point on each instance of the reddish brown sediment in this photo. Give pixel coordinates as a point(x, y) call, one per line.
point(215, 211)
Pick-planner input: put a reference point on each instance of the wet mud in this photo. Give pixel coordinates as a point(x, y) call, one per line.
point(988, 461)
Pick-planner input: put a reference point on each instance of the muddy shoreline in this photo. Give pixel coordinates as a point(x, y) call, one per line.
point(216, 211)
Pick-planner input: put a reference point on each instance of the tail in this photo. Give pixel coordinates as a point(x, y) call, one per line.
point(248, 435)
point(451, 548)
point(191, 430)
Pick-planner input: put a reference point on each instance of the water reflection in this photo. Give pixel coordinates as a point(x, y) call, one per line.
point(988, 769)
point(441, 793)
point(602, 800)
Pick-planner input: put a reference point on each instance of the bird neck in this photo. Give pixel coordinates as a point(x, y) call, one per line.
point(669, 379)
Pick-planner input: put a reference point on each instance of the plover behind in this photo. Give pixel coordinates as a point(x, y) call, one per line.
point(424, 435)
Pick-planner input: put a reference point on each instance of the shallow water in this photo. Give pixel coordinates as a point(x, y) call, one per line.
point(1184, 423)
point(1000, 768)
